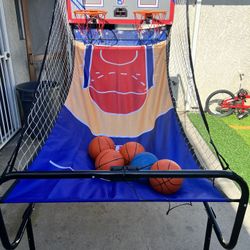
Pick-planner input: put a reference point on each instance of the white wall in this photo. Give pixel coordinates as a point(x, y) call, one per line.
point(223, 46)
point(17, 46)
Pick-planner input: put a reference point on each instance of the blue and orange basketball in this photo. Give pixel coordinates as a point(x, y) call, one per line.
point(99, 144)
point(143, 161)
point(166, 185)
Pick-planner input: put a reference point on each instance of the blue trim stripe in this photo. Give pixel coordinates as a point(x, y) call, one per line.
point(87, 64)
point(150, 66)
point(77, 4)
point(82, 6)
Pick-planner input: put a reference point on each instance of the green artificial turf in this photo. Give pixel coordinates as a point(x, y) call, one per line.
point(244, 133)
point(233, 145)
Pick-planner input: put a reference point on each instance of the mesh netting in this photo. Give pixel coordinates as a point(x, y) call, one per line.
point(54, 82)
point(183, 86)
point(55, 79)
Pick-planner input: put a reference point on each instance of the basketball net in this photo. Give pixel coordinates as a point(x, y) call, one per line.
point(88, 18)
point(149, 19)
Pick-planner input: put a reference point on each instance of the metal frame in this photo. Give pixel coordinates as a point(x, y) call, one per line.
point(25, 225)
point(124, 174)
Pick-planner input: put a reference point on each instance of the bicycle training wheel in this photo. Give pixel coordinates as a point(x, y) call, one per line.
point(214, 101)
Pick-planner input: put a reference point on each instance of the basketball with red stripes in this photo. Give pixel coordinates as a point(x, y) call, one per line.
point(166, 185)
point(109, 158)
point(130, 150)
point(99, 144)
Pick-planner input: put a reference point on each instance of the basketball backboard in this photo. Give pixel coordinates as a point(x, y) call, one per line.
point(121, 11)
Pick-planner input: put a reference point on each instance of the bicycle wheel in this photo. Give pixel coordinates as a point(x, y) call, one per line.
point(214, 100)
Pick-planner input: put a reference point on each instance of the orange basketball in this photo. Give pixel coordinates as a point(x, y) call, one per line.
point(99, 144)
point(130, 150)
point(109, 158)
point(166, 185)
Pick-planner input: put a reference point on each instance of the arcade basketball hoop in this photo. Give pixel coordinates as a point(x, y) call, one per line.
point(152, 19)
point(89, 17)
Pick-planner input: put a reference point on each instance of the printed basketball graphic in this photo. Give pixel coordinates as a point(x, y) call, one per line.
point(119, 91)
point(118, 79)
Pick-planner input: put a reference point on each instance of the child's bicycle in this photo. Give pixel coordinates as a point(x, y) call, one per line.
point(223, 103)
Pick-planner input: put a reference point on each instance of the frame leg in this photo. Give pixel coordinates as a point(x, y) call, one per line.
point(25, 224)
point(30, 235)
point(208, 234)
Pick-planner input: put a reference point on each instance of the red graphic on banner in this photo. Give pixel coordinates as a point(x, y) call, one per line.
point(118, 78)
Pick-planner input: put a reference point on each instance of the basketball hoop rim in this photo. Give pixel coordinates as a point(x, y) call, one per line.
point(90, 12)
point(149, 12)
